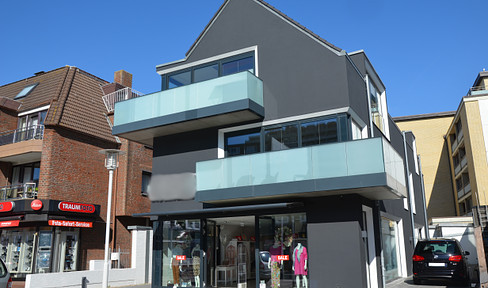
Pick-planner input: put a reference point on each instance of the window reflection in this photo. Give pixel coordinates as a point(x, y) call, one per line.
point(289, 135)
point(206, 73)
point(245, 64)
point(248, 143)
point(180, 79)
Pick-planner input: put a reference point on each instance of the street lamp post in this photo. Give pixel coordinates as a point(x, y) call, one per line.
point(111, 163)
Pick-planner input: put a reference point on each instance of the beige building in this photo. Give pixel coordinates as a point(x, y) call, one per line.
point(454, 148)
point(467, 139)
point(429, 130)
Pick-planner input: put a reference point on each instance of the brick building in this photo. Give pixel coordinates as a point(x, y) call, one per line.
point(53, 183)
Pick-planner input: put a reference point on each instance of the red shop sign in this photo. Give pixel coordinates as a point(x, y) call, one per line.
point(12, 223)
point(180, 257)
point(77, 224)
point(36, 205)
point(283, 257)
point(76, 207)
point(6, 206)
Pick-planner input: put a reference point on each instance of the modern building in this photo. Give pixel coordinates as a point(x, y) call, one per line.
point(430, 131)
point(276, 163)
point(53, 182)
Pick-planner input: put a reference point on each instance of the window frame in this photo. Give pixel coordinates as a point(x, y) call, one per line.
point(262, 132)
point(219, 62)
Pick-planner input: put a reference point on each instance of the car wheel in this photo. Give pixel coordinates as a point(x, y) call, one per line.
point(417, 281)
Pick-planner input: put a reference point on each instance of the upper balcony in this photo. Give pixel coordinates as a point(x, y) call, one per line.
point(21, 145)
point(477, 90)
point(369, 167)
point(220, 101)
point(120, 95)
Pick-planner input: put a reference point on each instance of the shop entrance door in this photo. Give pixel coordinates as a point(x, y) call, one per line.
point(232, 252)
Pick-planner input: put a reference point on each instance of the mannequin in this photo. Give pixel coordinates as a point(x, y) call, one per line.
point(175, 264)
point(273, 264)
point(300, 258)
point(195, 253)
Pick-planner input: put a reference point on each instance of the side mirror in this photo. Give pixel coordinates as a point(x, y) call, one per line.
point(466, 253)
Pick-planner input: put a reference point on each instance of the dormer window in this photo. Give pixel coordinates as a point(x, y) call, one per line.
point(25, 91)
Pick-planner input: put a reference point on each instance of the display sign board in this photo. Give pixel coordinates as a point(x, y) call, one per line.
point(181, 257)
point(6, 206)
point(36, 205)
point(283, 257)
point(77, 224)
point(11, 223)
point(76, 207)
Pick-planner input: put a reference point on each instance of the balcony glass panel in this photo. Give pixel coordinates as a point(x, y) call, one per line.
point(209, 93)
point(343, 159)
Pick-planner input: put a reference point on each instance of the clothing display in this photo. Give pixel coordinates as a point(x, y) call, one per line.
point(300, 257)
point(175, 266)
point(196, 266)
point(275, 274)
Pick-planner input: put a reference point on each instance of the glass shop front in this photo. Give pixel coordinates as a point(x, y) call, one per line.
point(240, 251)
point(43, 236)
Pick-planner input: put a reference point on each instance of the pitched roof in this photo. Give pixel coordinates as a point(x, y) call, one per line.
point(273, 9)
point(74, 96)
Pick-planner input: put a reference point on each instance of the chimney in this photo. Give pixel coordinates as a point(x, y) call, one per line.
point(123, 77)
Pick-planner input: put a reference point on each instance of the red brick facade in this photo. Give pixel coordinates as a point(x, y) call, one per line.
point(72, 169)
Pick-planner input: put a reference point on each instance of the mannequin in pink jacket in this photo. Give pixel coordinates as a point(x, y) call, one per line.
point(300, 259)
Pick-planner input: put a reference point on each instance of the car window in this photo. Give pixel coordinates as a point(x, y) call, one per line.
point(438, 247)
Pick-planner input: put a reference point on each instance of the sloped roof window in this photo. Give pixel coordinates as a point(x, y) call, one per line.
point(25, 91)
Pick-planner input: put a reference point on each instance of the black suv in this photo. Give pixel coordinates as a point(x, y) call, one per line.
point(439, 259)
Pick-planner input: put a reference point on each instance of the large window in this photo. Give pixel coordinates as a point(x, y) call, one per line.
point(181, 253)
point(26, 173)
point(390, 254)
point(283, 256)
point(295, 134)
point(219, 68)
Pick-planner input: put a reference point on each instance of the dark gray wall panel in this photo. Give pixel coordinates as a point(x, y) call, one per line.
point(357, 92)
point(337, 256)
point(293, 66)
point(359, 60)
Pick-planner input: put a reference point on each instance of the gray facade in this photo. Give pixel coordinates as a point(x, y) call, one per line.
point(347, 203)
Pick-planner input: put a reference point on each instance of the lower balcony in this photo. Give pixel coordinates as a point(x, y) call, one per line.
point(369, 167)
point(20, 191)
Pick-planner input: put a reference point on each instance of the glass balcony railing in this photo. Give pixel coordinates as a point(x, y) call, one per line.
point(222, 90)
point(20, 191)
point(22, 134)
point(338, 160)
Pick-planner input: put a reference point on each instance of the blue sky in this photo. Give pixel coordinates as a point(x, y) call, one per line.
point(428, 53)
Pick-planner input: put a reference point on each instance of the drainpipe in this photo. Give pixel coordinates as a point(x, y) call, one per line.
point(408, 188)
point(423, 199)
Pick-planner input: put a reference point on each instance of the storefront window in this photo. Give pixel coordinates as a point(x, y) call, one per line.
point(181, 253)
point(283, 253)
point(389, 238)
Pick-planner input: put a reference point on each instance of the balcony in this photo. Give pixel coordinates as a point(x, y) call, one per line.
point(21, 145)
point(221, 101)
point(369, 167)
point(20, 191)
point(120, 95)
point(477, 90)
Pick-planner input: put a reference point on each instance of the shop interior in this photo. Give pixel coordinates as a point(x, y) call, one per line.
point(223, 252)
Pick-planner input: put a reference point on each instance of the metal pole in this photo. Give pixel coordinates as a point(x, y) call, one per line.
point(106, 263)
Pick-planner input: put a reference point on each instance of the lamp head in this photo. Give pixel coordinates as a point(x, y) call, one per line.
point(111, 158)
